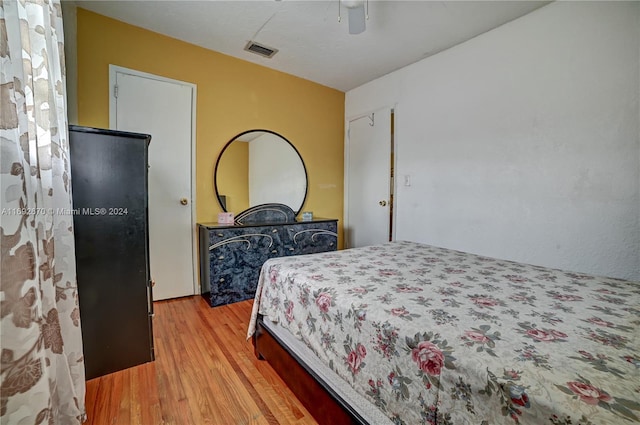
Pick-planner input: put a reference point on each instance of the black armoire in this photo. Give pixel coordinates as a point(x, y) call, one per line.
point(109, 189)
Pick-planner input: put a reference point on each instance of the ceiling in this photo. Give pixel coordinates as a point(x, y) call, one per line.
point(312, 43)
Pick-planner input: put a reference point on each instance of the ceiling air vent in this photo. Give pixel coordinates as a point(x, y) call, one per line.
point(260, 49)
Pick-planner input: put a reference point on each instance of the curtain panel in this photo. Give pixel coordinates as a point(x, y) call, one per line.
point(42, 368)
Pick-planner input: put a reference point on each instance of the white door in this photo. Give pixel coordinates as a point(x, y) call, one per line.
point(163, 109)
point(368, 174)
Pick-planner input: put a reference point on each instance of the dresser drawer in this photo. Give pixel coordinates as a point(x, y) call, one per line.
point(311, 238)
point(231, 257)
point(264, 237)
point(235, 258)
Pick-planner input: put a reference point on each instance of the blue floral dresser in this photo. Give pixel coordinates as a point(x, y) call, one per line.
point(231, 255)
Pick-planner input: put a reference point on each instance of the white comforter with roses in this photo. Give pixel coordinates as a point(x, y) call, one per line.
point(437, 336)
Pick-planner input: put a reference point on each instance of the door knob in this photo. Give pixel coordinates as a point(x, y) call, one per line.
point(383, 203)
point(184, 201)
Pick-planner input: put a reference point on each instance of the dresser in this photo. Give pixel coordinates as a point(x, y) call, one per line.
point(111, 232)
point(231, 256)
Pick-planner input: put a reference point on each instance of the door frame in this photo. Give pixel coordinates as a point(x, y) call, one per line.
point(347, 136)
point(113, 69)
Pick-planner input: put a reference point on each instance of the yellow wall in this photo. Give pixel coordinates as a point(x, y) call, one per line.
point(233, 96)
point(235, 169)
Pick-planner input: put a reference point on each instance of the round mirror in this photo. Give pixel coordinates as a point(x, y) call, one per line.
point(260, 167)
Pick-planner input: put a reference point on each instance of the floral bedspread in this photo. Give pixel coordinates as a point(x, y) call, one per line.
point(434, 336)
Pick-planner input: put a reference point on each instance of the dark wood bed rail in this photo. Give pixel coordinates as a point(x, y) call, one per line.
point(317, 397)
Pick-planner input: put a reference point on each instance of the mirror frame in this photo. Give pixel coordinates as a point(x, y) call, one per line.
point(233, 139)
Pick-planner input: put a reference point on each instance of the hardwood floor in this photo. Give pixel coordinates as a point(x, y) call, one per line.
point(205, 372)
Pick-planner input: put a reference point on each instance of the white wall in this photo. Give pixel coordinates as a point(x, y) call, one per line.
point(523, 143)
point(276, 173)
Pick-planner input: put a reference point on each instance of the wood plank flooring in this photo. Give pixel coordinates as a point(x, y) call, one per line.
point(205, 372)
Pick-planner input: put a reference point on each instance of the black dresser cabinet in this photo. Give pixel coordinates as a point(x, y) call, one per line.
point(109, 189)
point(231, 256)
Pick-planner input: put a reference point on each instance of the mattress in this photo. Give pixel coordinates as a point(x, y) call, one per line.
point(342, 389)
point(429, 335)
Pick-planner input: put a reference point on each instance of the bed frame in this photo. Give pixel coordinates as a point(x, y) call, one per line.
point(316, 396)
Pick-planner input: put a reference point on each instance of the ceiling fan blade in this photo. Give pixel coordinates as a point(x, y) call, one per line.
point(356, 19)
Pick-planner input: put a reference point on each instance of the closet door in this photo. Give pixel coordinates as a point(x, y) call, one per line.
point(163, 108)
point(368, 182)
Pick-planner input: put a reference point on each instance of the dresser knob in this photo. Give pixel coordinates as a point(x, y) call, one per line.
point(221, 234)
point(274, 251)
point(274, 231)
point(331, 244)
point(221, 279)
point(291, 249)
point(222, 257)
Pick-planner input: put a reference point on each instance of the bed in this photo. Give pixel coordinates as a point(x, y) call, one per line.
point(426, 335)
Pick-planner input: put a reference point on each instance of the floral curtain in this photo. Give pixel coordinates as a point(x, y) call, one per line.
point(42, 366)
